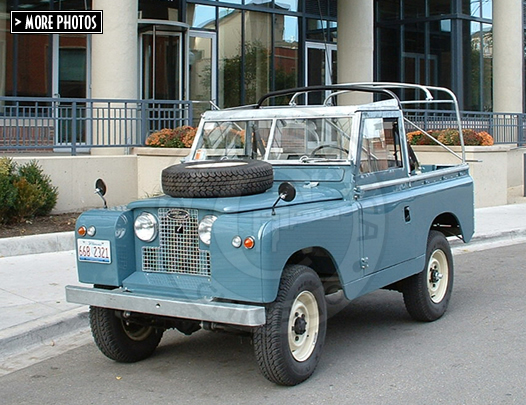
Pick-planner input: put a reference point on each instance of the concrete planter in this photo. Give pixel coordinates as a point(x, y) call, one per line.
point(496, 170)
point(150, 163)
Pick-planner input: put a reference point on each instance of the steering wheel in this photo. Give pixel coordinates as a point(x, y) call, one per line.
point(313, 153)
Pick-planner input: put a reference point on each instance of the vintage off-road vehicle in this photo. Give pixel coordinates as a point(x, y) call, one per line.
point(275, 209)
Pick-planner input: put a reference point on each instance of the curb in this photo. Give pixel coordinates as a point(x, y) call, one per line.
point(510, 237)
point(34, 244)
point(30, 334)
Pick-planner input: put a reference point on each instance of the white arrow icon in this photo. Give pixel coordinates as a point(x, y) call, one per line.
point(17, 21)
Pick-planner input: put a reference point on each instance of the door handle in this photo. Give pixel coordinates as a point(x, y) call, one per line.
point(407, 214)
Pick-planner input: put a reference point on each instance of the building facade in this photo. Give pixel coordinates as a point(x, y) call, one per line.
point(232, 52)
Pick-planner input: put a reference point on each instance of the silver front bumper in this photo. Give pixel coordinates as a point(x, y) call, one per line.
point(220, 312)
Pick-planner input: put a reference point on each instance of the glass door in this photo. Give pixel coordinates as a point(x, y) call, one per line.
point(161, 65)
point(202, 74)
point(320, 68)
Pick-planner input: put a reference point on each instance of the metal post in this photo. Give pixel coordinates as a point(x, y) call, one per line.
point(74, 129)
point(143, 121)
point(520, 130)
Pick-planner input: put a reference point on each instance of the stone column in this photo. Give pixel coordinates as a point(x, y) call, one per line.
point(115, 75)
point(355, 45)
point(114, 53)
point(508, 56)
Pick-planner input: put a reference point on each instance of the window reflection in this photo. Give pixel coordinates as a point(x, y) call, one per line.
point(285, 52)
point(230, 62)
point(199, 16)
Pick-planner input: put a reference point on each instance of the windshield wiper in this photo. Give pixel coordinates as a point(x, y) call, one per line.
point(307, 159)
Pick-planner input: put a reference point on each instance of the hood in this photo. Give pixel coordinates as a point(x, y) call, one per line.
point(228, 205)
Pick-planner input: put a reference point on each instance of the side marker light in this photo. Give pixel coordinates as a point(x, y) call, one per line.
point(249, 242)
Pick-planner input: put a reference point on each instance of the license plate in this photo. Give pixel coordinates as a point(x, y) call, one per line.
point(92, 250)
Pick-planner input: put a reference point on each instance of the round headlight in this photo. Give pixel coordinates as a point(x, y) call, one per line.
point(145, 227)
point(205, 228)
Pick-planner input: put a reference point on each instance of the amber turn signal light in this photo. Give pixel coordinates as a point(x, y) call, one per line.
point(249, 242)
point(82, 231)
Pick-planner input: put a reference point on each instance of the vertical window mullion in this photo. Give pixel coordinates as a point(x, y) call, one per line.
point(243, 55)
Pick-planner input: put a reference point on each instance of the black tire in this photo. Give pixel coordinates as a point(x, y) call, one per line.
point(288, 347)
point(427, 294)
point(218, 178)
point(120, 340)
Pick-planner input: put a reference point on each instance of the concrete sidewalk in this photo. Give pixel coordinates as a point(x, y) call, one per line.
point(35, 269)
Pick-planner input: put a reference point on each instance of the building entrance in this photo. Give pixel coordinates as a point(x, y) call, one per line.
point(161, 65)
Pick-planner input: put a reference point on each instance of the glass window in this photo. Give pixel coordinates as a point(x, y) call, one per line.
point(321, 30)
point(487, 9)
point(72, 66)
point(201, 79)
point(440, 53)
point(199, 16)
point(230, 54)
point(388, 10)
point(261, 3)
point(472, 67)
point(487, 67)
point(389, 54)
point(438, 7)
point(289, 5)
point(33, 65)
point(473, 7)
point(257, 51)
point(285, 52)
point(159, 10)
point(380, 145)
point(231, 1)
point(414, 8)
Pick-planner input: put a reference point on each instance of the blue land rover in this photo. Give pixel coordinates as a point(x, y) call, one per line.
point(274, 210)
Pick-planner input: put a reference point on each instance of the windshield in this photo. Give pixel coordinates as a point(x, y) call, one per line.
point(296, 139)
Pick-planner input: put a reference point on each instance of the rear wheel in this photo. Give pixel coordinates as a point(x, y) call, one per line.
point(122, 340)
point(288, 347)
point(427, 294)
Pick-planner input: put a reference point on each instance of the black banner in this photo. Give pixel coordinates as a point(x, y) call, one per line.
point(56, 22)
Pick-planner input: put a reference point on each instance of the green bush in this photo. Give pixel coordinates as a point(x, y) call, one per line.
point(8, 190)
point(48, 194)
point(25, 191)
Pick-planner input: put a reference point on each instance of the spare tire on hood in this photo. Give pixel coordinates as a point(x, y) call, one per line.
point(217, 178)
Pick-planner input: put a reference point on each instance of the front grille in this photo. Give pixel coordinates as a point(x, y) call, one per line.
point(178, 250)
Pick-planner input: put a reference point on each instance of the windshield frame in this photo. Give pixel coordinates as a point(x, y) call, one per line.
point(273, 115)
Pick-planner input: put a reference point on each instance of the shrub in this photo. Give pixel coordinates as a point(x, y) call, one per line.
point(419, 138)
point(487, 139)
point(48, 194)
point(25, 191)
point(180, 137)
point(8, 190)
point(451, 137)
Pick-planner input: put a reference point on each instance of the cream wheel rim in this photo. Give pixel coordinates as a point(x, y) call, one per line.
point(437, 276)
point(304, 323)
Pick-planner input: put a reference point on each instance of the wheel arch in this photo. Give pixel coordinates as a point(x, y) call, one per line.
point(322, 262)
point(447, 223)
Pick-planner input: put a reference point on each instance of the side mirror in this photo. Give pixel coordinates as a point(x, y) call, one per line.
point(100, 190)
point(286, 192)
point(100, 187)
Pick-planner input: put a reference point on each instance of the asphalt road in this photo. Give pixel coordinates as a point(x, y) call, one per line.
point(374, 354)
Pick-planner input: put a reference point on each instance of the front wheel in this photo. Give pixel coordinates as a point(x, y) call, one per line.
point(427, 294)
point(288, 347)
point(122, 340)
